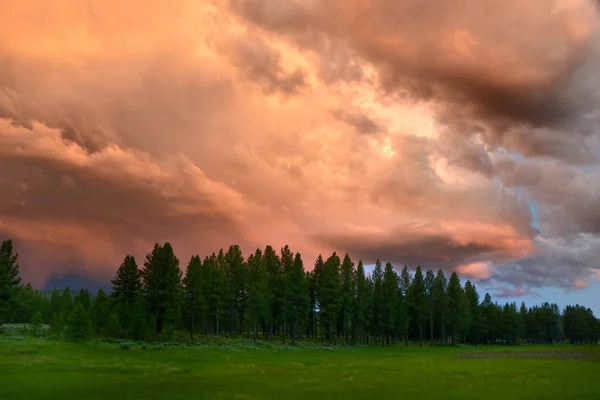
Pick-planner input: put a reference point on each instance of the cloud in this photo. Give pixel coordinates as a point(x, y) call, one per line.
point(581, 284)
point(468, 255)
point(486, 79)
point(557, 262)
point(261, 63)
point(506, 292)
point(361, 122)
point(477, 270)
point(399, 131)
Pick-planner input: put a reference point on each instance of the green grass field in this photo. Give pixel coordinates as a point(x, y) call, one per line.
point(44, 369)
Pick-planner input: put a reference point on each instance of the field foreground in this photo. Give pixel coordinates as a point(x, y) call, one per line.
point(44, 369)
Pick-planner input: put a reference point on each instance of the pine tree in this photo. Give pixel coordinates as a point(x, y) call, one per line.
point(27, 302)
point(389, 301)
point(487, 319)
point(287, 262)
point(9, 278)
point(217, 288)
point(141, 322)
point(405, 284)
point(348, 294)
point(273, 267)
point(441, 301)
point(298, 296)
point(430, 294)
point(472, 312)
point(99, 312)
point(78, 326)
point(126, 286)
point(455, 304)
point(330, 301)
point(55, 304)
point(312, 313)
point(377, 303)
point(84, 297)
point(361, 303)
point(418, 301)
point(66, 303)
point(161, 285)
point(237, 274)
point(112, 327)
point(258, 290)
point(57, 325)
point(317, 273)
point(35, 323)
point(195, 306)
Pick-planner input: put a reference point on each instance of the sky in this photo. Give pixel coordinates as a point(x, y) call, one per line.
point(461, 135)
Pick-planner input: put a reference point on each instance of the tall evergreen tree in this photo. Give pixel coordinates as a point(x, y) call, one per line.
point(287, 261)
point(126, 286)
point(377, 303)
point(78, 325)
point(66, 303)
point(127, 282)
point(237, 273)
point(317, 273)
point(276, 288)
point(161, 279)
point(55, 303)
point(389, 301)
point(84, 297)
point(298, 296)
point(195, 305)
point(430, 295)
point(258, 290)
point(488, 318)
point(35, 323)
point(348, 294)
point(99, 312)
point(361, 303)
point(406, 305)
point(472, 311)
point(441, 301)
point(330, 301)
point(57, 325)
point(9, 278)
point(417, 295)
point(456, 306)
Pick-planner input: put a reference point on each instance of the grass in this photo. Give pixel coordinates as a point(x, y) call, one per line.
point(237, 369)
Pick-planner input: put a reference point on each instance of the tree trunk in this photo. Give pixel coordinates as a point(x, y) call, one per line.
point(420, 329)
point(192, 328)
point(283, 329)
point(431, 322)
point(295, 334)
point(255, 329)
point(217, 321)
point(443, 327)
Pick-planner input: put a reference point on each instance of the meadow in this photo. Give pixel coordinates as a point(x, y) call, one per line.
point(37, 368)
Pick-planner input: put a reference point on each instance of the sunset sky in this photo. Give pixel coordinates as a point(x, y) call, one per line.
point(458, 134)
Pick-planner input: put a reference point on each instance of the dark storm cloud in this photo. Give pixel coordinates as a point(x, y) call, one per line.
point(431, 252)
point(262, 64)
point(487, 65)
point(361, 122)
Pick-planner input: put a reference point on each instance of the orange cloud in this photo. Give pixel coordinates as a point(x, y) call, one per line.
point(250, 122)
point(580, 284)
point(475, 270)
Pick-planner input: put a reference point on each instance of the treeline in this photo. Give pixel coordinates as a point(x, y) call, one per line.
point(270, 295)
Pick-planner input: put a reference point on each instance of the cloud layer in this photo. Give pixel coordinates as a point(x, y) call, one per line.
point(416, 132)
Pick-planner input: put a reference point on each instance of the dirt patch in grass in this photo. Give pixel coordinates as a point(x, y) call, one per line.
point(532, 354)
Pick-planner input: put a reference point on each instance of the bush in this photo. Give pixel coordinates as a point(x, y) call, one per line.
point(35, 324)
point(78, 328)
